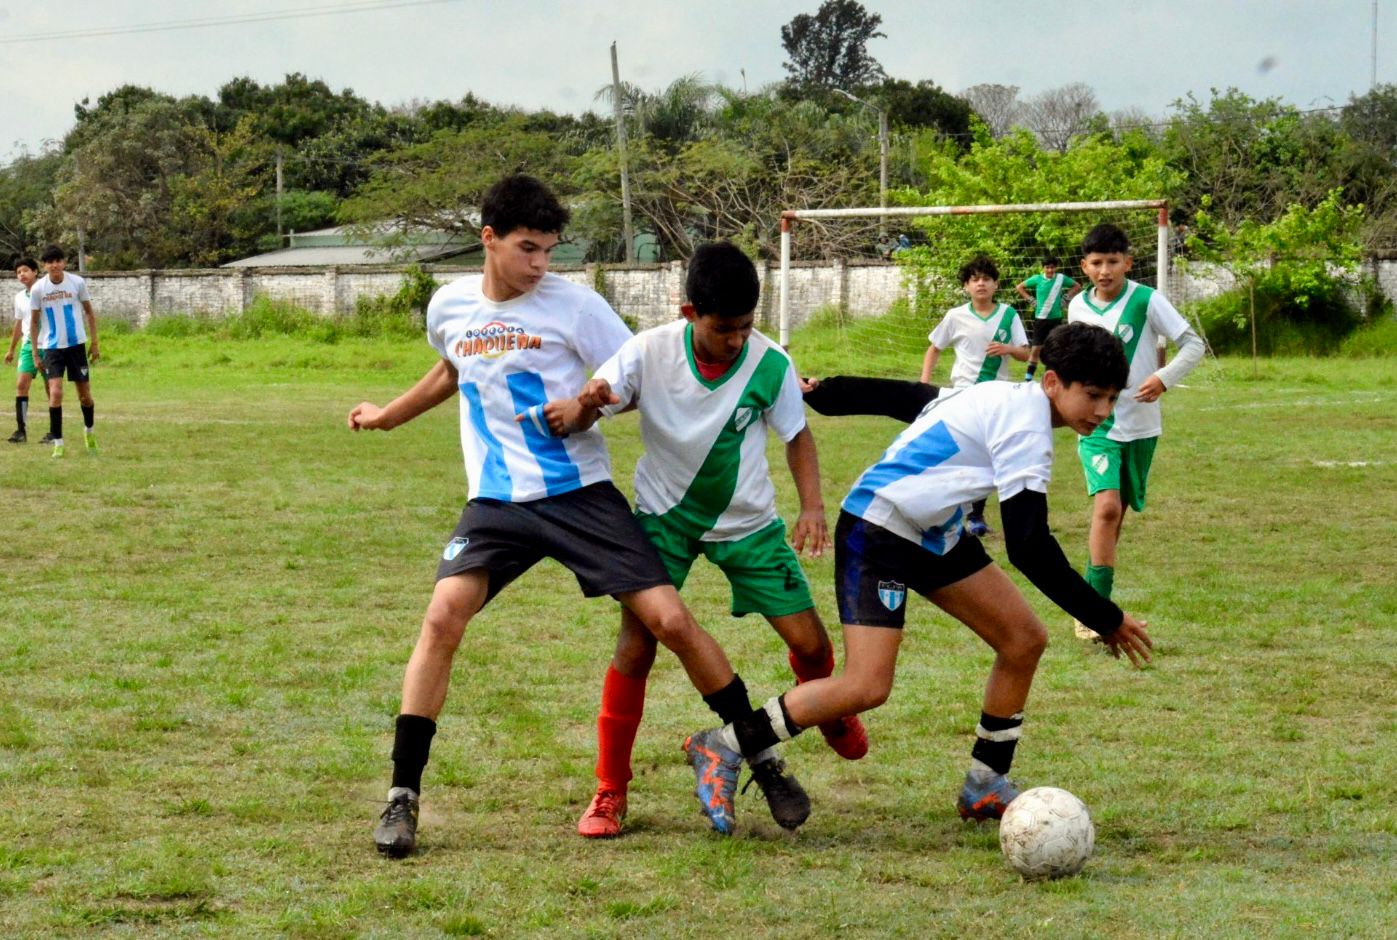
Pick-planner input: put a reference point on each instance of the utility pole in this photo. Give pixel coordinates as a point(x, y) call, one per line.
point(882, 160)
point(627, 232)
point(278, 196)
point(82, 260)
point(1373, 77)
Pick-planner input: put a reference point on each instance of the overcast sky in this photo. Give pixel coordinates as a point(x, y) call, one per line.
point(1133, 53)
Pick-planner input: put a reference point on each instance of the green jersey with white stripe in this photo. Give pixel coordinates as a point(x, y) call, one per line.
point(705, 467)
point(1139, 315)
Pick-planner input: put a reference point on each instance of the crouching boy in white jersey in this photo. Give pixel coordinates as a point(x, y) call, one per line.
point(511, 339)
point(901, 530)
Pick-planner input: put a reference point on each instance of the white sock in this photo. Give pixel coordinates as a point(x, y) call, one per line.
point(728, 736)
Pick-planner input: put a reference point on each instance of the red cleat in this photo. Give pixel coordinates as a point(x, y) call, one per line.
point(846, 737)
point(603, 818)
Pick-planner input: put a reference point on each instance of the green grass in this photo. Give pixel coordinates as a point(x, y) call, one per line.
point(205, 629)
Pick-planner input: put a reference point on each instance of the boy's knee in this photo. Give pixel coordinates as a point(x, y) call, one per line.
point(1027, 645)
point(445, 622)
point(673, 626)
point(813, 649)
point(1107, 508)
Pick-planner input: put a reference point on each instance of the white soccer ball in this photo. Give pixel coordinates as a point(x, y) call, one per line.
point(1046, 832)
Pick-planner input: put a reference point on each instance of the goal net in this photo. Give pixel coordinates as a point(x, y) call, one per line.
point(872, 283)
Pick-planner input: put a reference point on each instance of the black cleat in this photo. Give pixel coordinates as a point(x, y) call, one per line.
point(396, 835)
point(47, 438)
point(785, 797)
point(19, 437)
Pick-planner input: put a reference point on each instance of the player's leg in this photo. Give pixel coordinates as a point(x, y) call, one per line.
point(89, 415)
point(1102, 462)
point(53, 368)
point(24, 378)
point(990, 605)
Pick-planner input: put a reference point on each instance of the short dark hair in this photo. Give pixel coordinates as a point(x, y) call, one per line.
point(27, 262)
point(722, 280)
point(521, 201)
point(980, 264)
point(52, 253)
point(1106, 239)
point(1080, 352)
point(1050, 261)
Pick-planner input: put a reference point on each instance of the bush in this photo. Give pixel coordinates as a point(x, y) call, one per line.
point(1284, 326)
point(179, 326)
point(1378, 338)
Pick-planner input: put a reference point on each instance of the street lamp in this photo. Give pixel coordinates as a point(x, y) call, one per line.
point(882, 160)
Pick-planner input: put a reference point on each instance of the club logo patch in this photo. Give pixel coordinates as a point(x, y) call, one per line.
point(1100, 463)
point(743, 417)
point(453, 548)
point(1125, 331)
point(892, 594)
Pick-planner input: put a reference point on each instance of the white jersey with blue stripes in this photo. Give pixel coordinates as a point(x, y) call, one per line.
point(61, 321)
point(965, 445)
point(510, 356)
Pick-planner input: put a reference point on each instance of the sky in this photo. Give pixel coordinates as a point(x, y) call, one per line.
point(1135, 54)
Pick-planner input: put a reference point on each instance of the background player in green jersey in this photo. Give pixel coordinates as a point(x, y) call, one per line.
point(26, 272)
point(709, 389)
point(1116, 457)
point(1052, 291)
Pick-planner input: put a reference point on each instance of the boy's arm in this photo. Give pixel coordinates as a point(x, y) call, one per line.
point(933, 356)
point(1190, 353)
point(91, 318)
point(899, 399)
point(1004, 349)
point(564, 416)
point(1023, 292)
point(431, 390)
point(15, 335)
point(804, 461)
point(1072, 292)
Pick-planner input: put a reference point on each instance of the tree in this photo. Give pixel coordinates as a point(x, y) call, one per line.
point(924, 104)
point(26, 186)
point(1060, 114)
point(829, 49)
point(997, 105)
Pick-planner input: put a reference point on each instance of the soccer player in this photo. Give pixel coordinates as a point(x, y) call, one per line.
point(901, 530)
point(1116, 456)
point(26, 272)
point(67, 342)
point(709, 388)
point(983, 333)
point(511, 339)
point(1051, 290)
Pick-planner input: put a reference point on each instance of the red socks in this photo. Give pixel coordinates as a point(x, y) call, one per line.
point(622, 703)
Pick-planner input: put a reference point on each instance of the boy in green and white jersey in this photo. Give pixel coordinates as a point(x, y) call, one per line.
point(1116, 457)
point(26, 272)
point(1052, 291)
point(985, 335)
point(708, 389)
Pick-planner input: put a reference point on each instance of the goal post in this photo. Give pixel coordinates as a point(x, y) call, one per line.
point(791, 217)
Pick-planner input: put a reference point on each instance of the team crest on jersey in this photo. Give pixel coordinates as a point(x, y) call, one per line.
point(892, 594)
point(1001, 336)
point(454, 547)
point(1125, 331)
point(1100, 463)
point(743, 417)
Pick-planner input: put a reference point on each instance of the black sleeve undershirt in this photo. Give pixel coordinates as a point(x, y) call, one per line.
point(858, 395)
point(1034, 551)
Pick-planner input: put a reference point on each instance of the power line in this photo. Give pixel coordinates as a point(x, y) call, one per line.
point(235, 19)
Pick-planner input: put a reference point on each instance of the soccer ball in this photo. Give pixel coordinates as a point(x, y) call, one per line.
point(1046, 833)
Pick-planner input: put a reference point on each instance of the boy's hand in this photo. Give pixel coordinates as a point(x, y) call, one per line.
point(563, 416)
point(998, 349)
point(810, 529)
point(9, 357)
point(1132, 639)
point(92, 353)
point(1150, 389)
point(597, 393)
point(366, 416)
point(807, 385)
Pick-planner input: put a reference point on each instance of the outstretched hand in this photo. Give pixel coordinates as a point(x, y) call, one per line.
point(1132, 639)
point(810, 529)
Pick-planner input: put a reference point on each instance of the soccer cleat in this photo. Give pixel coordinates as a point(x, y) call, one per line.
point(603, 818)
point(785, 797)
point(1084, 632)
point(846, 737)
point(716, 767)
point(19, 437)
point(985, 799)
point(975, 524)
point(90, 439)
point(57, 450)
point(47, 438)
point(396, 835)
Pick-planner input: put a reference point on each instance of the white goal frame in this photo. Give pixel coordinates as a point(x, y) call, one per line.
point(791, 216)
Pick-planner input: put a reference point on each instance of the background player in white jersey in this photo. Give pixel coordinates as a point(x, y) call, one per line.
point(900, 530)
point(26, 272)
point(985, 335)
point(1052, 291)
point(67, 340)
point(709, 388)
point(510, 340)
point(1116, 457)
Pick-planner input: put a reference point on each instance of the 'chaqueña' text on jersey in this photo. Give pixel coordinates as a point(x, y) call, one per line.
point(967, 444)
point(1138, 317)
point(511, 356)
point(705, 465)
point(61, 322)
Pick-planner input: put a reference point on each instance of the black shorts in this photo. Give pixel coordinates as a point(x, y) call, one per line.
point(1042, 329)
point(874, 569)
point(72, 359)
point(590, 530)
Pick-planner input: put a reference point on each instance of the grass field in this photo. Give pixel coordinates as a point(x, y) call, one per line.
point(204, 632)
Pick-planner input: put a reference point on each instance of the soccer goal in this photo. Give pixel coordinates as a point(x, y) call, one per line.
point(889, 289)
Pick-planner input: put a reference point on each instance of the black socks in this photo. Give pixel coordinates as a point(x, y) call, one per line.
point(411, 744)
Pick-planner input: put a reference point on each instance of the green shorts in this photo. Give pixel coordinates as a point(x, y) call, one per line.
point(1117, 465)
point(762, 568)
point(26, 359)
